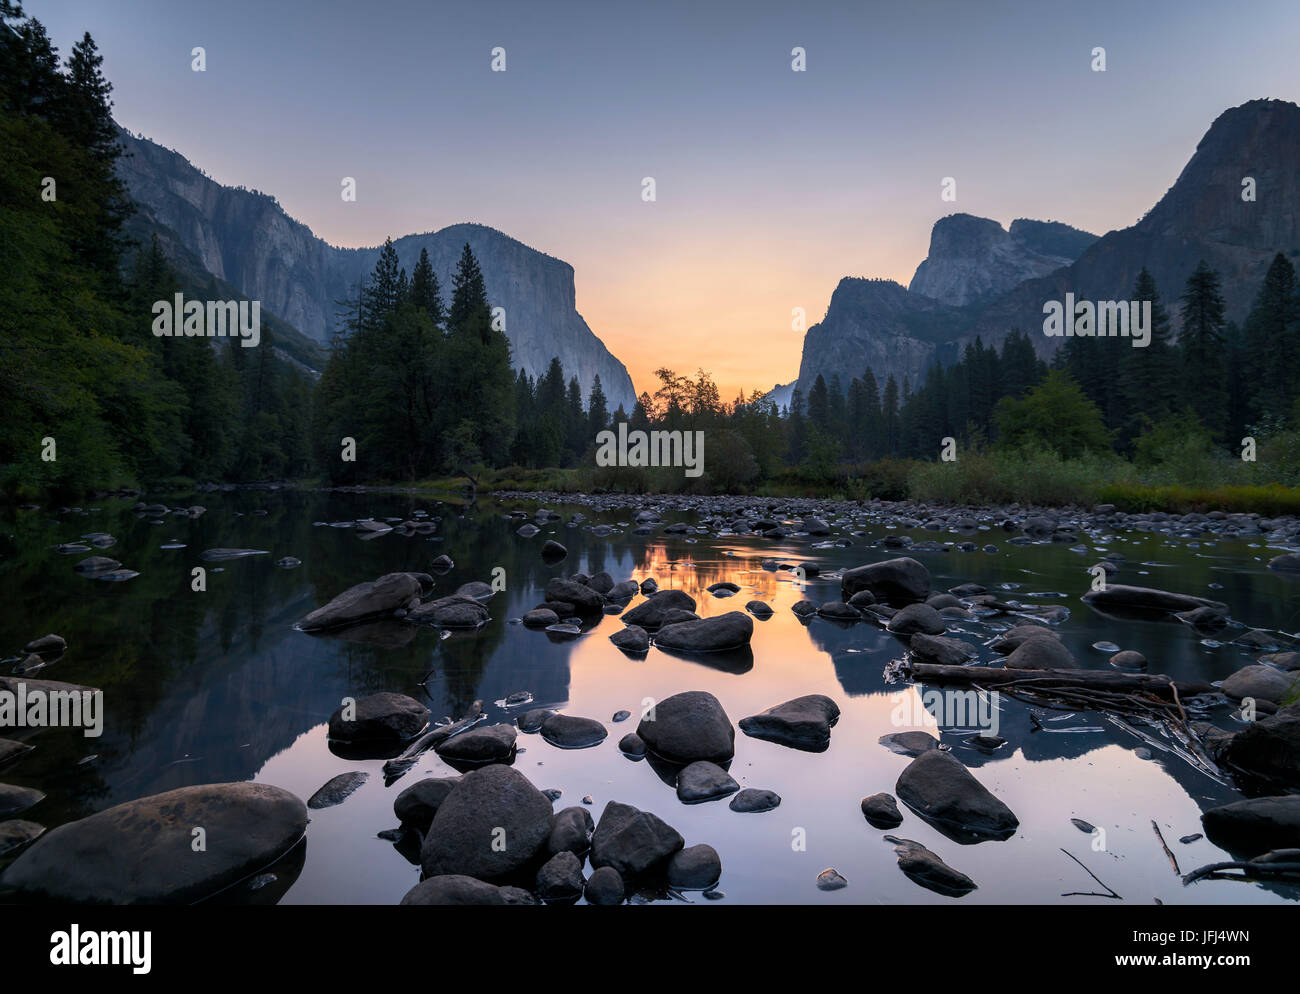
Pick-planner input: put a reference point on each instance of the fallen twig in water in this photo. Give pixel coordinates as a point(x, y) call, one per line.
point(1172, 858)
point(1091, 893)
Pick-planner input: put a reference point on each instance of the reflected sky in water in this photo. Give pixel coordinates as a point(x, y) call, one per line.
point(218, 686)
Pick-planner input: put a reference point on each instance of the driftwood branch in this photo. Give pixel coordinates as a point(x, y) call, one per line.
point(1093, 681)
point(399, 765)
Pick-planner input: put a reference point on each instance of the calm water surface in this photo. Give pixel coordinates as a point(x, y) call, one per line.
point(218, 686)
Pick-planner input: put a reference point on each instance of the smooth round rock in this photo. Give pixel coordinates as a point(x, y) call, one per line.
point(140, 852)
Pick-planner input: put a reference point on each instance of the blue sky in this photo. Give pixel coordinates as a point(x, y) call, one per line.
point(771, 184)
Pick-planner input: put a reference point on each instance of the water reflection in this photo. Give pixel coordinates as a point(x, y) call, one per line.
point(218, 686)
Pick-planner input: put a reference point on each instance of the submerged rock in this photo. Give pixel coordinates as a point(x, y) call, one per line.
point(11, 749)
point(909, 743)
point(336, 790)
point(223, 555)
point(831, 879)
point(1118, 595)
point(140, 852)
point(14, 799)
point(926, 869)
point(16, 833)
point(755, 800)
point(940, 789)
point(803, 723)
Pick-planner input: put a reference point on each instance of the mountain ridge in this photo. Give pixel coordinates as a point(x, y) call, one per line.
point(246, 238)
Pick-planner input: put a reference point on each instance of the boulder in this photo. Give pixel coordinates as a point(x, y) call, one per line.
point(417, 804)
point(385, 718)
point(754, 800)
point(540, 617)
point(1016, 637)
point(687, 727)
point(560, 878)
point(926, 869)
point(572, 831)
point(803, 723)
point(895, 581)
point(940, 789)
point(1118, 595)
point(1260, 682)
point(1286, 561)
point(650, 614)
point(454, 889)
point(881, 810)
point(492, 823)
point(364, 601)
point(917, 618)
point(585, 599)
point(704, 781)
point(569, 731)
point(726, 631)
point(939, 650)
point(632, 841)
point(490, 744)
point(1269, 748)
point(141, 851)
point(696, 868)
point(455, 611)
point(1254, 826)
point(1042, 654)
point(633, 639)
point(604, 887)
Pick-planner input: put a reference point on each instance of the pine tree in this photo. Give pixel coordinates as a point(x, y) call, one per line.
point(1272, 343)
point(1201, 345)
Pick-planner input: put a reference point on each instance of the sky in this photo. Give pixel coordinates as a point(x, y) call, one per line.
point(770, 184)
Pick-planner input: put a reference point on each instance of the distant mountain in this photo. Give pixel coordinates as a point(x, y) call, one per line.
point(245, 238)
point(780, 395)
point(974, 258)
point(953, 297)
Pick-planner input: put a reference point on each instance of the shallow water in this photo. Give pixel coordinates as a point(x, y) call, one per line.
point(219, 686)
